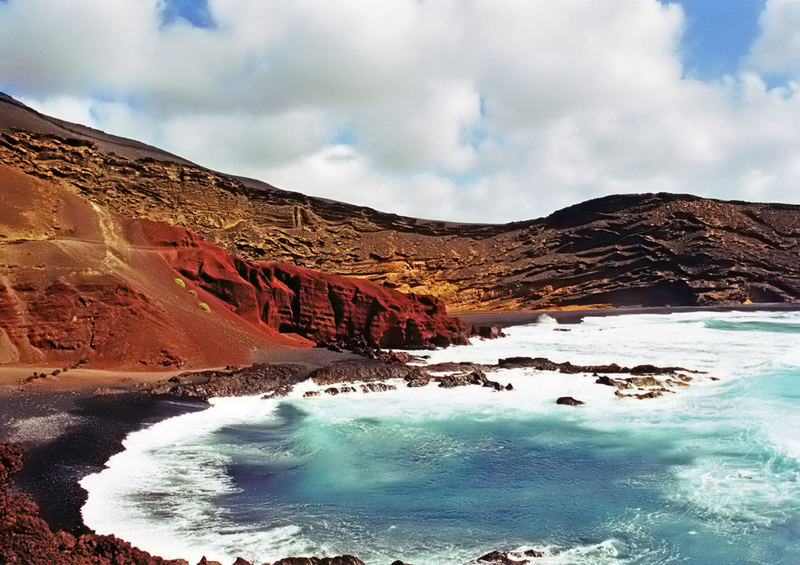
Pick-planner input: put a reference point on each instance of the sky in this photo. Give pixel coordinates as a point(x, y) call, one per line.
point(464, 110)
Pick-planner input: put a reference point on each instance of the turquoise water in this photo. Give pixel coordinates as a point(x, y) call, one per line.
point(709, 475)
point(751, 326)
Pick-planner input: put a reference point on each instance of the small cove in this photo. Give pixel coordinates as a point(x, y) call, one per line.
point(707, 475)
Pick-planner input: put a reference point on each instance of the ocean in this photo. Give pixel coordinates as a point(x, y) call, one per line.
point(708, 475)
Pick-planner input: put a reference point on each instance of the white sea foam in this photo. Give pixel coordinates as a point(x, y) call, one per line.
point(674, 339)
point(739, 499)
point(181, 461)
point(178, 461)
point(607, 552)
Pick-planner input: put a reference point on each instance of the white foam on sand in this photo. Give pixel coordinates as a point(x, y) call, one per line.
point(42, 428)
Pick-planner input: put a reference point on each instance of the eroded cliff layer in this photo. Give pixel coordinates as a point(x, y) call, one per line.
point(636, 250)
point(82, 285)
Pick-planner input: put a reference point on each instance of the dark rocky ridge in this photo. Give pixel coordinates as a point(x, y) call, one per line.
point(278, 379)
point(16, 115)
point(635, 250)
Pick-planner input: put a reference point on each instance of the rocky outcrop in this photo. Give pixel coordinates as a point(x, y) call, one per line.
point(340, 560)
point(639, 374)
point(295, 300)
point(256, 379)
point(360, 346)
point(543, 364)
point(509, 557)
point(371, 375)
point(317, 305)
point(348, 376)
point(633, 250)
point(361, 371)
point(476, 377)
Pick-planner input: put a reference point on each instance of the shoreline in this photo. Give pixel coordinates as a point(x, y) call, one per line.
point(77, 434)
point(124, 380)
point(71, 425)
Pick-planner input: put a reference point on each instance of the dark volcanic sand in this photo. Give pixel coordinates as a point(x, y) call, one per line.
point(91, 431)
point(70, 434)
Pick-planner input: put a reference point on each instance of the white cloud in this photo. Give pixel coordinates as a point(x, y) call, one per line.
point(70, 108)
point(777, 49)
point(342, 173)
point(475, 110)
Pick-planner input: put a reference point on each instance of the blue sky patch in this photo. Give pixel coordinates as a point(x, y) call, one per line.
point(344, 136)
point(718, 35)
point(193, 11)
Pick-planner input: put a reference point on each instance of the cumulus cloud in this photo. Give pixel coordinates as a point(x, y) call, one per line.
point(777, 49)
point(471, 111)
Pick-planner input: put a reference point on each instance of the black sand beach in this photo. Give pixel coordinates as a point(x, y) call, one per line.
point(70, 435)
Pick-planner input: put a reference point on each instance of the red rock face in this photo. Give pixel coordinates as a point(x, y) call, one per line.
point(81, 284)
point(331, 307)
point(86, 316)
point(11, 328)
point(295, 300)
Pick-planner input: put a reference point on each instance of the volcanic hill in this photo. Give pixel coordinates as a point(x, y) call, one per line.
point(82, 284)
point(77, 199)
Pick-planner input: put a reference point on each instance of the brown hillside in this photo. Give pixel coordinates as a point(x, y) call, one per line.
point(637, 250)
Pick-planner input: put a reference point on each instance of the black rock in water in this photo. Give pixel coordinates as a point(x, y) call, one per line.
point(569, 401)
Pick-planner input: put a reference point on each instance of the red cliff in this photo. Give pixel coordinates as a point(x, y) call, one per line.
point(301, 301)
point(80, 283)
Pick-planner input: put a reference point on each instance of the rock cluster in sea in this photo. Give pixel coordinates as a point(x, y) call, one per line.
point(371, 375)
